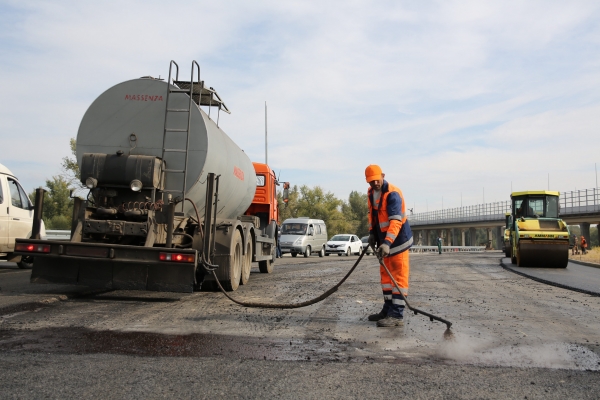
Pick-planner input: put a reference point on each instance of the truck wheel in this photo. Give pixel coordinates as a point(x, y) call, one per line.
point(266, 267)
point(231, 274)
point(247, 264)
point(26, 262)
point(322, 252)
point(294, 254)
point(307, 251)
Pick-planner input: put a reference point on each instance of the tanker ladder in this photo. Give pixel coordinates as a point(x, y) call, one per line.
point(170, 130)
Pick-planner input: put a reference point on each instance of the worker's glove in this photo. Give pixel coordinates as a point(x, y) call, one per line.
point(372, 240)
point(383, 250)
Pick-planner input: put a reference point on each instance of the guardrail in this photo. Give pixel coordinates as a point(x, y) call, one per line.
point(447, 249)
point(54, 234)
point(571, 203)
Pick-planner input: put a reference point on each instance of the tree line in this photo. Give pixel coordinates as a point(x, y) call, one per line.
point(340, 216)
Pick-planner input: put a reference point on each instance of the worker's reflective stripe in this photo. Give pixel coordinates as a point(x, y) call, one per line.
point(387, 296)
point(402, 247)
point(384, 224)
point(399, 302)
point(387, 286)
point(390, 236)
point(398, 217)
point(404, 291)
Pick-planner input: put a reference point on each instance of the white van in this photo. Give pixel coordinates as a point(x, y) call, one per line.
point(16, 217)
point(303, 236)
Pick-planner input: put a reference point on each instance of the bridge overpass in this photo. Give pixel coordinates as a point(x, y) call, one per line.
point(457, 226)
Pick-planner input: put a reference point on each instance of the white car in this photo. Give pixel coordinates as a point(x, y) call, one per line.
point(344, 243)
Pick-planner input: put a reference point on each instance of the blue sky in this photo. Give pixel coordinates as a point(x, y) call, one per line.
point(450, 98)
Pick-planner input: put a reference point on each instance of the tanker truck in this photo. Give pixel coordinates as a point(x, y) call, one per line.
point(171, 197)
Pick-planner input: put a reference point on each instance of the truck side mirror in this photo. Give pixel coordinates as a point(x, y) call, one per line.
point(510, 222)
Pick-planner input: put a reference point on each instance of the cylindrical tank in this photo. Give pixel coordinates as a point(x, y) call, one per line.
point(130, 117)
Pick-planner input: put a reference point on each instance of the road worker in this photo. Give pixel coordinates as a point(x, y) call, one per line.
point(583, 245)
point(439, 244)
point(390, 231)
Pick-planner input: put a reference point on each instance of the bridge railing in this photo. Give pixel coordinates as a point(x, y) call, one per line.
point(574, 202)
point(479, 212)
point(580, 201)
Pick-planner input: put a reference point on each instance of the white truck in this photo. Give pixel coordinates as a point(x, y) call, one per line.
point(16, 218)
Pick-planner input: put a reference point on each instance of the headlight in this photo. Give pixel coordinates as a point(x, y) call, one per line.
point(136, 185)
point(91, 183)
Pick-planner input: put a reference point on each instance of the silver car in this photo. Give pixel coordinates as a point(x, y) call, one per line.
point(365, 243)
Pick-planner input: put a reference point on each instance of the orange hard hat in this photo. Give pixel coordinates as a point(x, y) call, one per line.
point(373, 173)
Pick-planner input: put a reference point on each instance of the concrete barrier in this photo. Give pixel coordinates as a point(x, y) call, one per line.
point(54, 234)
point(448, 249)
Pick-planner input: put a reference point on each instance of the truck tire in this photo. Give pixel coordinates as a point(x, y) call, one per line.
point(233, 271)
point(307, 251)
point(26, 262)
point(294, 254)
point(322, 252)
point(247, 264)
point(266, 267)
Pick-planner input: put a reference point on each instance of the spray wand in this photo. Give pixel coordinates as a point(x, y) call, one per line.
point(448, 333)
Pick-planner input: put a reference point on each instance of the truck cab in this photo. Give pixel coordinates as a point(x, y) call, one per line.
point(16, 217)
point(264, 205)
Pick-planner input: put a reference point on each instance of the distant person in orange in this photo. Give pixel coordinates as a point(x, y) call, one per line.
point(583, 245)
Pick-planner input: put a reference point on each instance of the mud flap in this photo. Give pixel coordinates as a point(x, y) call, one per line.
point(112, 275)
point(543, 254)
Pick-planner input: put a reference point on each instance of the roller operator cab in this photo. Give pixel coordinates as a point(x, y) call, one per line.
point(171, 197)
point(539, 238)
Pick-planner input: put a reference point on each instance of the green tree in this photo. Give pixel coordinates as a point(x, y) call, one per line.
point(357, 212)
point(58, 205)
point(318, 204)
point(71, 171)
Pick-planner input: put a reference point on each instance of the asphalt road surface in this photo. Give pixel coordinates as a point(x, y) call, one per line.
point(513, 337)
point(575, 275)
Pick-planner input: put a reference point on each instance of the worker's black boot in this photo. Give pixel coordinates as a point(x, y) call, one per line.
point(376, 317)
point(389, 322)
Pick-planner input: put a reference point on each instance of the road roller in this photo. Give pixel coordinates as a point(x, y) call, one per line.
point(539, 238)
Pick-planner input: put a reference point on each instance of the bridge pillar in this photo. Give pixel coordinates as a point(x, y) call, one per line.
point(462, 237)
point(448, 237)
point(490, 238)
point(426, 232)
point(472, 237)
point(499, 237)
point(585, 231)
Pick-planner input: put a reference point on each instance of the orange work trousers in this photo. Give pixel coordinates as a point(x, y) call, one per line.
point(399, 267)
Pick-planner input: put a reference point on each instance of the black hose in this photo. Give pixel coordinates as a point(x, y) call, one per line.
point(293, 305)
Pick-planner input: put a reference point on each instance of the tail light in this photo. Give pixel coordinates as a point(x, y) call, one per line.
point(33, 248)
point(176, 257)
